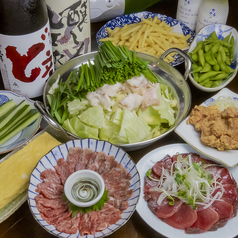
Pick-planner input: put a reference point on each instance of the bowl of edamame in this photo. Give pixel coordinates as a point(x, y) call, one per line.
point(213, 54)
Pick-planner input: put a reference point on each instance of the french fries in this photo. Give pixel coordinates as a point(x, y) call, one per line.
point(151, 36)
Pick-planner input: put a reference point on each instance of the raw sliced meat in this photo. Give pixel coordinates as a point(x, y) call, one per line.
point(51, 203)
point(166, 163)
point(63, 170)
point(206, 218)
point(149, 183)
point(223, 176)
point(98, 162)
point(108, 164)
point(229, 194)
point(48, 192)
point(224, 209)
point(184, 217)
point(50, 176)
point(83, 161)
point(164, 210)
point(74, 155)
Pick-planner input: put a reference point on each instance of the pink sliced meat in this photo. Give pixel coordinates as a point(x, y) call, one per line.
point(74, 156)
point(164, 210)
point(107, 216)
point(68, 225)
point(108, 164)
point(63, 170)
point(91, 160)
point(48, 192)
point(83, 161)
point(98, 162)
point(51, 203)
point(118, 203)
point(166, 163)
point(88, 223)
point(50, 176)
point(183, 218)
point(206, 218)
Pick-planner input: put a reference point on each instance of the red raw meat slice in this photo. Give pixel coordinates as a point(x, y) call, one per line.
point(48, 192)
point(118, 203)
point(164, 210)
point(83, 161)
point(149, 183)
point(74, 155)
point(121, 194)
point(50, 176)
point(51, 203)
point(224, 209)
point(91, 160)
point(224, 177)
point(98, 162)
point(166, 163)
point(68, 225)
point(183, 218)
point(107, 216)
point(229, 194)
point(88, 223)
point(206, 218)
point(63, 170)
point(108, 164)
point(52, 216)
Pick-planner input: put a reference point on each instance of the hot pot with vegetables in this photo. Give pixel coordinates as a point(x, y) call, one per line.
point(129, 99)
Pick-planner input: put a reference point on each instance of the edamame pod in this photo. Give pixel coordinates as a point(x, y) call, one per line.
point(208, 75)
point(217, 84)
point(223, 53)
point(194, 57)
point(215, 48)
point(208, 84)
point(216, 67)
point(206, 68)
point(196, 69)
point(201, 57)
point(208, 57)
point(198, 46)
point(213, 36)
point(220, 76)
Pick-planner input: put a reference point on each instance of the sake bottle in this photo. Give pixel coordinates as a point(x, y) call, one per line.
point(26, 60)
point(187, 12)
point(212, 12)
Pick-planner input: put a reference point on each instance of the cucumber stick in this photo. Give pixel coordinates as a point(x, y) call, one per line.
point(18, 116)
point(12, 113)
point(20, 125)
point(7, 107)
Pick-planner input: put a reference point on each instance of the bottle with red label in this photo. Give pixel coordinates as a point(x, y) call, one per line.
point(26, 60)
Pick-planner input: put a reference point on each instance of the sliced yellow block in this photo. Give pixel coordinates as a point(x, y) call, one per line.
point(16, 170)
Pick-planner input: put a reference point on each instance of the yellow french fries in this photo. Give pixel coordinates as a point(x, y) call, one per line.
point(150, 36)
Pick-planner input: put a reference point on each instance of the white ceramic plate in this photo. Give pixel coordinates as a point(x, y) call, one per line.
point(61, 151)
point(147, 162)
point(188, 134)
point(26, 134)
point(120, 21)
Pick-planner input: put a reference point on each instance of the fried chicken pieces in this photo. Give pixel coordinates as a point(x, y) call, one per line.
point(219, 129)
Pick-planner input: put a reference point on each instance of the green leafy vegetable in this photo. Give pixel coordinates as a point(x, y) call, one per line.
point(97, 206)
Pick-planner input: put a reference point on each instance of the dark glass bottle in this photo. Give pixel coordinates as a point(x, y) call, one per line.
point(26, 60)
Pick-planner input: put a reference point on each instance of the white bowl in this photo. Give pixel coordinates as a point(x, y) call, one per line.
point(222, 31)
point(87, 175)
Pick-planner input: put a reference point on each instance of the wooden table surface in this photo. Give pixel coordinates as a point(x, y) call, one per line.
point(22, 224)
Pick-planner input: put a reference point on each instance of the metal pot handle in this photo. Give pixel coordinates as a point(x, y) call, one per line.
point(184, 55)
point(48, 118)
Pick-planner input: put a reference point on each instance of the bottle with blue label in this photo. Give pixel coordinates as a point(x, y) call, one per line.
point(212, 12)
point(187, 12)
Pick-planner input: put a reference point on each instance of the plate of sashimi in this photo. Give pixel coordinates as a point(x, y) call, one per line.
point(56, 214)
point(185, 194)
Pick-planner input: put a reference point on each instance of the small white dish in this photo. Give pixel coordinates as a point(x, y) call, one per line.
point(192, 137)
point(222, 31)
point(27, 133)
point(147, 162)
point(76, 191)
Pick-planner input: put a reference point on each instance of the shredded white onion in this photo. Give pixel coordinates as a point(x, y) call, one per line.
point(224, 102)
point(189, 182)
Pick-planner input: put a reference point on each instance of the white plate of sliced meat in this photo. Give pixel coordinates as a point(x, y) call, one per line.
point(184, 194)
point(57, 215)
